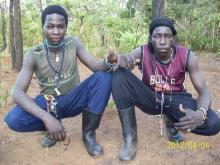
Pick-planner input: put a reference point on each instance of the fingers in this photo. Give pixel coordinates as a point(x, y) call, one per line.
point(64, 135)
point(60, 135)
point(57, 133)
point(184, 128)
point(186, 117)
point(181, 108)
point(183, 124)
point(112, 57)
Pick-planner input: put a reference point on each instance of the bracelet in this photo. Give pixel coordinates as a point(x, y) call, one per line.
point(203, 110)
point(108, 65)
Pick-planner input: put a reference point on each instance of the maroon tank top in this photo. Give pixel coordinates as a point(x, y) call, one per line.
point(165, 77)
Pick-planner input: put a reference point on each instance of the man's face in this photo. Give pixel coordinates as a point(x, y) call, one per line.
point(162, 39)
point(54, 28)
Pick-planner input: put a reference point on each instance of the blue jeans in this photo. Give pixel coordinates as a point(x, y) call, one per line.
point(128, 90)
point(92, 94)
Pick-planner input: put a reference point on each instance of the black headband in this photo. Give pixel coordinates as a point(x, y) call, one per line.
point(54, 9)
point(162, 22)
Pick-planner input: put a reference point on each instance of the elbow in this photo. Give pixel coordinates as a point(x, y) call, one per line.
point(16, 94)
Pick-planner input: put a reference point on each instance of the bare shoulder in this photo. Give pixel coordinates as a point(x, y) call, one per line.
point(70, 39)
point(29, 60)
point(193, 62)
point(78, 42)
point(80, 50)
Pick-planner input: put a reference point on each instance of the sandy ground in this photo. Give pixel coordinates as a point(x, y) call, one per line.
point(153, 148)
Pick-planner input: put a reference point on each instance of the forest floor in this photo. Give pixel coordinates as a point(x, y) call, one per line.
point(153, 148)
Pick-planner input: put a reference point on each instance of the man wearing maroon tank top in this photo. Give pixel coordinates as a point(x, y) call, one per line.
point(164, 66)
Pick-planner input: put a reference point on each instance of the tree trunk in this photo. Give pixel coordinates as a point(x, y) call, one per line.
point(157, 9)
point(41, 8)
point(12, 42)
point(18, 36)
point(4, 43)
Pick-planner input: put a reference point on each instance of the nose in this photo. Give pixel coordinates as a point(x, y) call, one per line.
point(162, 40)
point(55, 30)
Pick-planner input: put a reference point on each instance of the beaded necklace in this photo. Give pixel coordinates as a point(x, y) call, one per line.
point(57, 65)
point(47, 43)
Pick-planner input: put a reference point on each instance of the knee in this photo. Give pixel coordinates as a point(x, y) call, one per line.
point(214, 126)
point(104, 79)
point(16, 121)
point(12, 122)
point(118, 77)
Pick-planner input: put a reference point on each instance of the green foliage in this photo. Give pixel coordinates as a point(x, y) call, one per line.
point(198, 23)
point(111, 104)
point(123, 25)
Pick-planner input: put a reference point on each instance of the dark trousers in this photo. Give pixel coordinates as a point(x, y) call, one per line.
point(92, 94)
point(128, 90)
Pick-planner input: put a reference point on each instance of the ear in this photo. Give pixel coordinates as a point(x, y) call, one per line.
point(174, 40)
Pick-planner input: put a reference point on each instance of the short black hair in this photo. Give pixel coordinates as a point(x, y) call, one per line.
point(51, 9)
point(162, 21)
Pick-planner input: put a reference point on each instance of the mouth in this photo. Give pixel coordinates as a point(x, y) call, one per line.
point(55, 39)
point(162, 50)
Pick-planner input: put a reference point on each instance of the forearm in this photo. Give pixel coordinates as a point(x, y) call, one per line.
point(99, 65)
point(130, 60)
point(28, 104)
point(204, 99)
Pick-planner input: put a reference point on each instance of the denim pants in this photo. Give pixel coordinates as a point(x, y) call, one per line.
point(128, 90)
point(92, 94)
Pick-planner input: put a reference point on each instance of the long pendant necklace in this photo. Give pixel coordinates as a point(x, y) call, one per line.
point(57, 68)
point(57, 57)
point(162, 88)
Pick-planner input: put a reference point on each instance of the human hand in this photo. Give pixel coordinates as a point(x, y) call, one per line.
point(190, 121)
point(112, 57)
point(123, 61)
point(115, 60)
point(126, 61)
point(54, 128)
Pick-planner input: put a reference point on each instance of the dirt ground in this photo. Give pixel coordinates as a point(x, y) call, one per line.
point(153, 148)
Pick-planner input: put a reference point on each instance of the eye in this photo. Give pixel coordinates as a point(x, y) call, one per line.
point(49, 26)
point(168, 36)
point(156, 36)
point(61, 26)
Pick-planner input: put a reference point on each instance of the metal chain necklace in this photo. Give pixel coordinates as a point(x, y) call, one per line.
point(162, 89)
point(56, 64)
